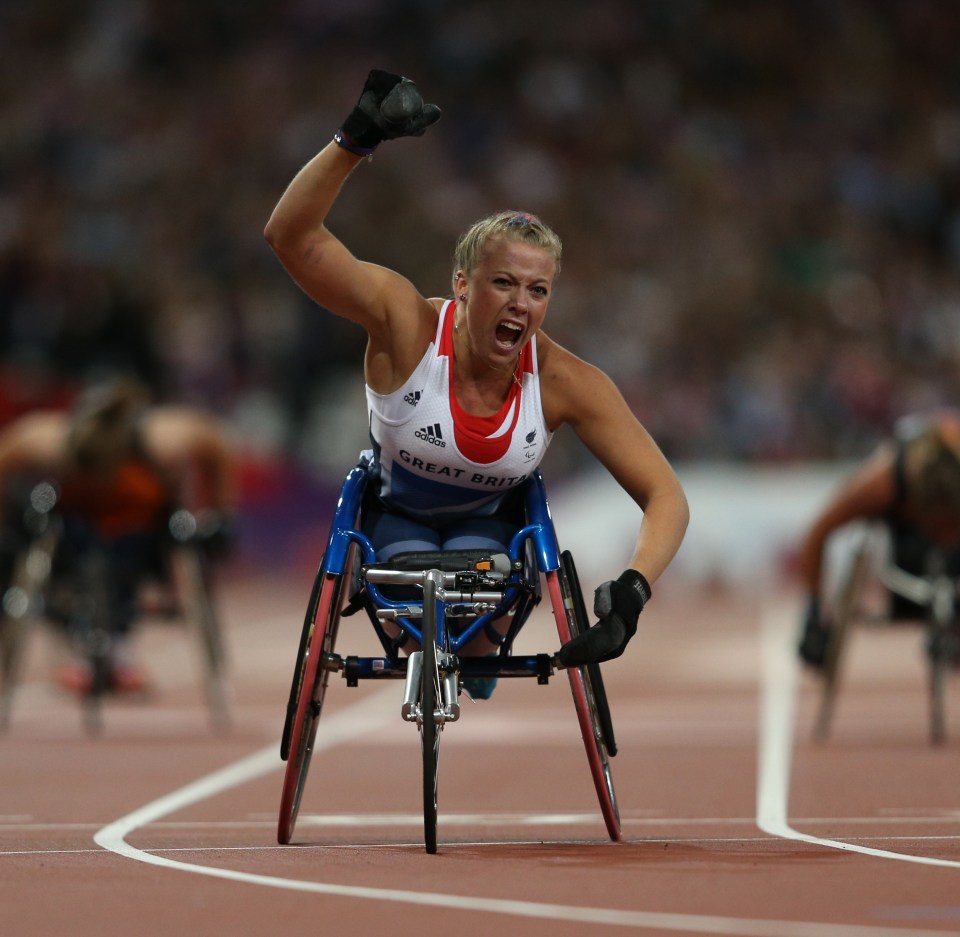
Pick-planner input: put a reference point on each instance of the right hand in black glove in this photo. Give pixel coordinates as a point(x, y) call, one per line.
point(815, 638)
point(618, 604)
point(389, 107)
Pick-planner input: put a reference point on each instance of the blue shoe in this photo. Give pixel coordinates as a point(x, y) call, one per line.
point(479, 687)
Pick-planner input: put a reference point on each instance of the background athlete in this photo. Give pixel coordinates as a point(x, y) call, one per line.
point(120, 467)
point(911, 483)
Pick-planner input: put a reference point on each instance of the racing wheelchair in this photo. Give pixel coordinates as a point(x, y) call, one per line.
point(440, 600)
point(874, 588)
point(75, 592)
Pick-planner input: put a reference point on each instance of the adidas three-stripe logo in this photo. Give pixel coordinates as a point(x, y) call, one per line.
point(431, 434)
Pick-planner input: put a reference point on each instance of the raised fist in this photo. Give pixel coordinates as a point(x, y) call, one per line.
point(390, 106)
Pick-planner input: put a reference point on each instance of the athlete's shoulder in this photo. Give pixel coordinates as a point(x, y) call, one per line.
point(39, 435)
point(44, 422)
point(173, 430)
point(571, 389)
point(557, 363)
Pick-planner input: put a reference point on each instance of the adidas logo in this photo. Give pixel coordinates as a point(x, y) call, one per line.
point(412, 399)
point(431, 434)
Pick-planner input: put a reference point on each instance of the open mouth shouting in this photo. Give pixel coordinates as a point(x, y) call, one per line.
point(509, 334)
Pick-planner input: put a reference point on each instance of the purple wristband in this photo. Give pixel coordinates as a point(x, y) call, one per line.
point(341, 139)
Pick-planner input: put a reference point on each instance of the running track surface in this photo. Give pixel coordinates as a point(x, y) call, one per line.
point(734, 821)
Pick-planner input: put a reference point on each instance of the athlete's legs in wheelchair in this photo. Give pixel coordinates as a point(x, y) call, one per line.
point(916, 554)
point(909, 551)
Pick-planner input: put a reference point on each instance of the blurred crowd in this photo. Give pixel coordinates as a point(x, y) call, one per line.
point(759, 202)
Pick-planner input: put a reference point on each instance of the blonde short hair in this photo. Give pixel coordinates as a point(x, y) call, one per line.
point(932, 471)
point(513, 225)
point(104, 425)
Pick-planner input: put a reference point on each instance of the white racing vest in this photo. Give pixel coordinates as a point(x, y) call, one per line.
point(437, 462)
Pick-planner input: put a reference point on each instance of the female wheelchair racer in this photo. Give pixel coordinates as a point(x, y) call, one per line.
point(464, 394)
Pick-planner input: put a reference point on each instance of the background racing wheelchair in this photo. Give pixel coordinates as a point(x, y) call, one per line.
point(893, 577)
point(58, 573)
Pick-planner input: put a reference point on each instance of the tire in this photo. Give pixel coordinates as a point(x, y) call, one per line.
point(937, 689)
point(193, 579)
point(940, 637)
point(13, 638)
point(429, 700)
point(310, 682)
point(16, 601)
point(572, 582)
point(846, 610)
point(585, 703)
point(93, 630)
point(305, 636)
point(21, 605)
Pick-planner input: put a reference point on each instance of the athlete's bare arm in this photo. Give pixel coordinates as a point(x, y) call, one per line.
point(583, 396)
point(33, 442)
point(868, 493)
point(194, 450)
point(399, 321)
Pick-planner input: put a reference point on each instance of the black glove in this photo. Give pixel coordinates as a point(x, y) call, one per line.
point(389, 107)
point(815, 638)
point(211, 530)
point(617, 603)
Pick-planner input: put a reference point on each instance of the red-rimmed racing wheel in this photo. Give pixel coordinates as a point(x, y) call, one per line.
point(585, 699)
point(307, 695)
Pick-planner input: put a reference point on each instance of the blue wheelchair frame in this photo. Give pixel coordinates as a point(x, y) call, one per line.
point(538, 532)
point(471, 591)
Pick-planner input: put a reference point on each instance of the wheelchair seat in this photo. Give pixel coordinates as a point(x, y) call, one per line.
point(447, 561)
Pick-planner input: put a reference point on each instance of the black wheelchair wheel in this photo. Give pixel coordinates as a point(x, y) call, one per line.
point(194, 582)
point(294, 697)
point(585, 703)
point(937, 690)
point(845, 611)
point(310, 686)
point(13, 636)
point(92, 629)
point(593, 670)
point(941, 639)
point(17, 605)
point(429, 705)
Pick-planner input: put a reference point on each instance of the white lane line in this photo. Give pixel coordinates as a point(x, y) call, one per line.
point(778, 688)
point(369, 715)
point(505, 819)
